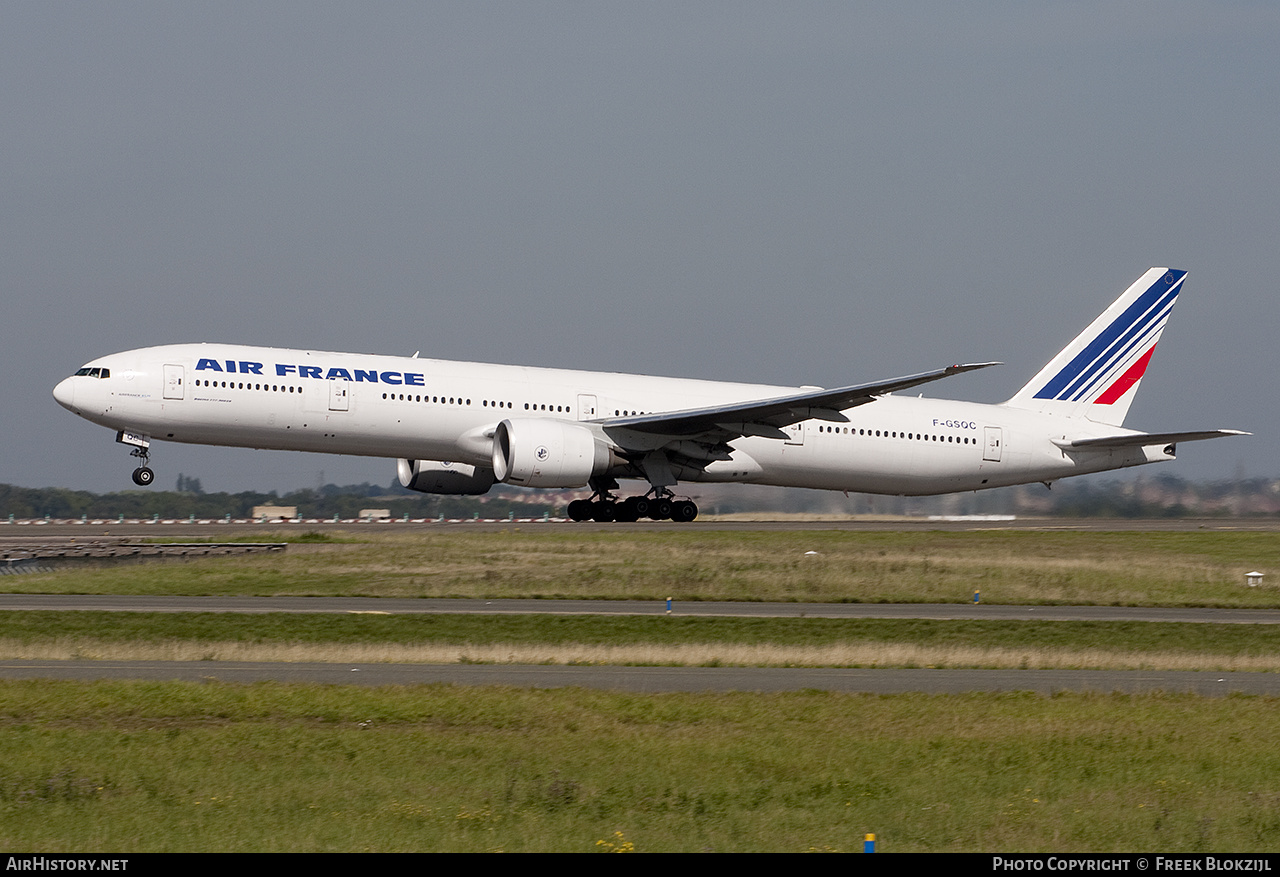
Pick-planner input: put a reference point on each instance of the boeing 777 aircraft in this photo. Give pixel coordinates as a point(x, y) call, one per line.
point(461, 427)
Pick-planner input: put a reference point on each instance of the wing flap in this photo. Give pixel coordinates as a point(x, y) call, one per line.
point(766, 417)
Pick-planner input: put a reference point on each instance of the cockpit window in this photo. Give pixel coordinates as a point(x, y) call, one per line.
point(94, 372)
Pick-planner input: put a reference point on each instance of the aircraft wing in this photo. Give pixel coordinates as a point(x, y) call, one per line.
point(1142, 439)
point(765, 417)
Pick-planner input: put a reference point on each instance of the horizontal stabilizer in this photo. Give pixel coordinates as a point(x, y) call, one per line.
point(1143, 439)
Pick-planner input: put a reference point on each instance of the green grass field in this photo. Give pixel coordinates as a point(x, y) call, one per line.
point(1204, 568)
point(173, 766)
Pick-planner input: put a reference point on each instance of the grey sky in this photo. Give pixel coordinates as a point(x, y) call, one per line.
point(800, 193)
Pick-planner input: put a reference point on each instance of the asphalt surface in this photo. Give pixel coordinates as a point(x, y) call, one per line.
point(212, 529)
point(660, 679)
point(429, 606)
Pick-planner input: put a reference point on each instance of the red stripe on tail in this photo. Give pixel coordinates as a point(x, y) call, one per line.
point(1126, 380)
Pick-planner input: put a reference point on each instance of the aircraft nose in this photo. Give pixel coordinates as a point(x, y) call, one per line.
point(65, 393)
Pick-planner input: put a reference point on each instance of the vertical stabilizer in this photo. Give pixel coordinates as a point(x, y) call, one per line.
point(1097, 374)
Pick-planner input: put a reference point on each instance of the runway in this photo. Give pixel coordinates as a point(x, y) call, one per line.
point(661, 679)
point(429, 606)
point(214, 529)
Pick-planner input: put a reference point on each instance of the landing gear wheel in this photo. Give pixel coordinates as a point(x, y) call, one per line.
point(580, 510)
point(602, 512)
point(683, 511)
point(660, 508)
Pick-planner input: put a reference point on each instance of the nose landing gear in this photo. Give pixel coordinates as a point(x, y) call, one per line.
point(142, 476)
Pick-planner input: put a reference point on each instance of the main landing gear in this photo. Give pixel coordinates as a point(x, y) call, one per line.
point(660, 506)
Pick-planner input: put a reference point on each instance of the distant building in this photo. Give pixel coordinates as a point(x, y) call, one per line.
point(274, 512)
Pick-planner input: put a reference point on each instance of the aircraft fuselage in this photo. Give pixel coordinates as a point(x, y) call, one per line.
point(399, 407)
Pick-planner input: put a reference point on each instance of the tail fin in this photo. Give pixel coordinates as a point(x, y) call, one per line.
point(1097, 374)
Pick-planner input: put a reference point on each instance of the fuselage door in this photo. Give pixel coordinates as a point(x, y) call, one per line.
point(339, 394)
point(173, 382)
point(587, 407)
point(795, 433)
point(991, 444)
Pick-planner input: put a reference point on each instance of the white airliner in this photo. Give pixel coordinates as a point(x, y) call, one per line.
point(539, 427)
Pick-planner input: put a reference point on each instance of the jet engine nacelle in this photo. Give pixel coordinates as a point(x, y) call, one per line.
point(536, 452)
point(434, 476)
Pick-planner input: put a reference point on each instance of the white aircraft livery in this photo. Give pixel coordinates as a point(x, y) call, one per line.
point(461, 427)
